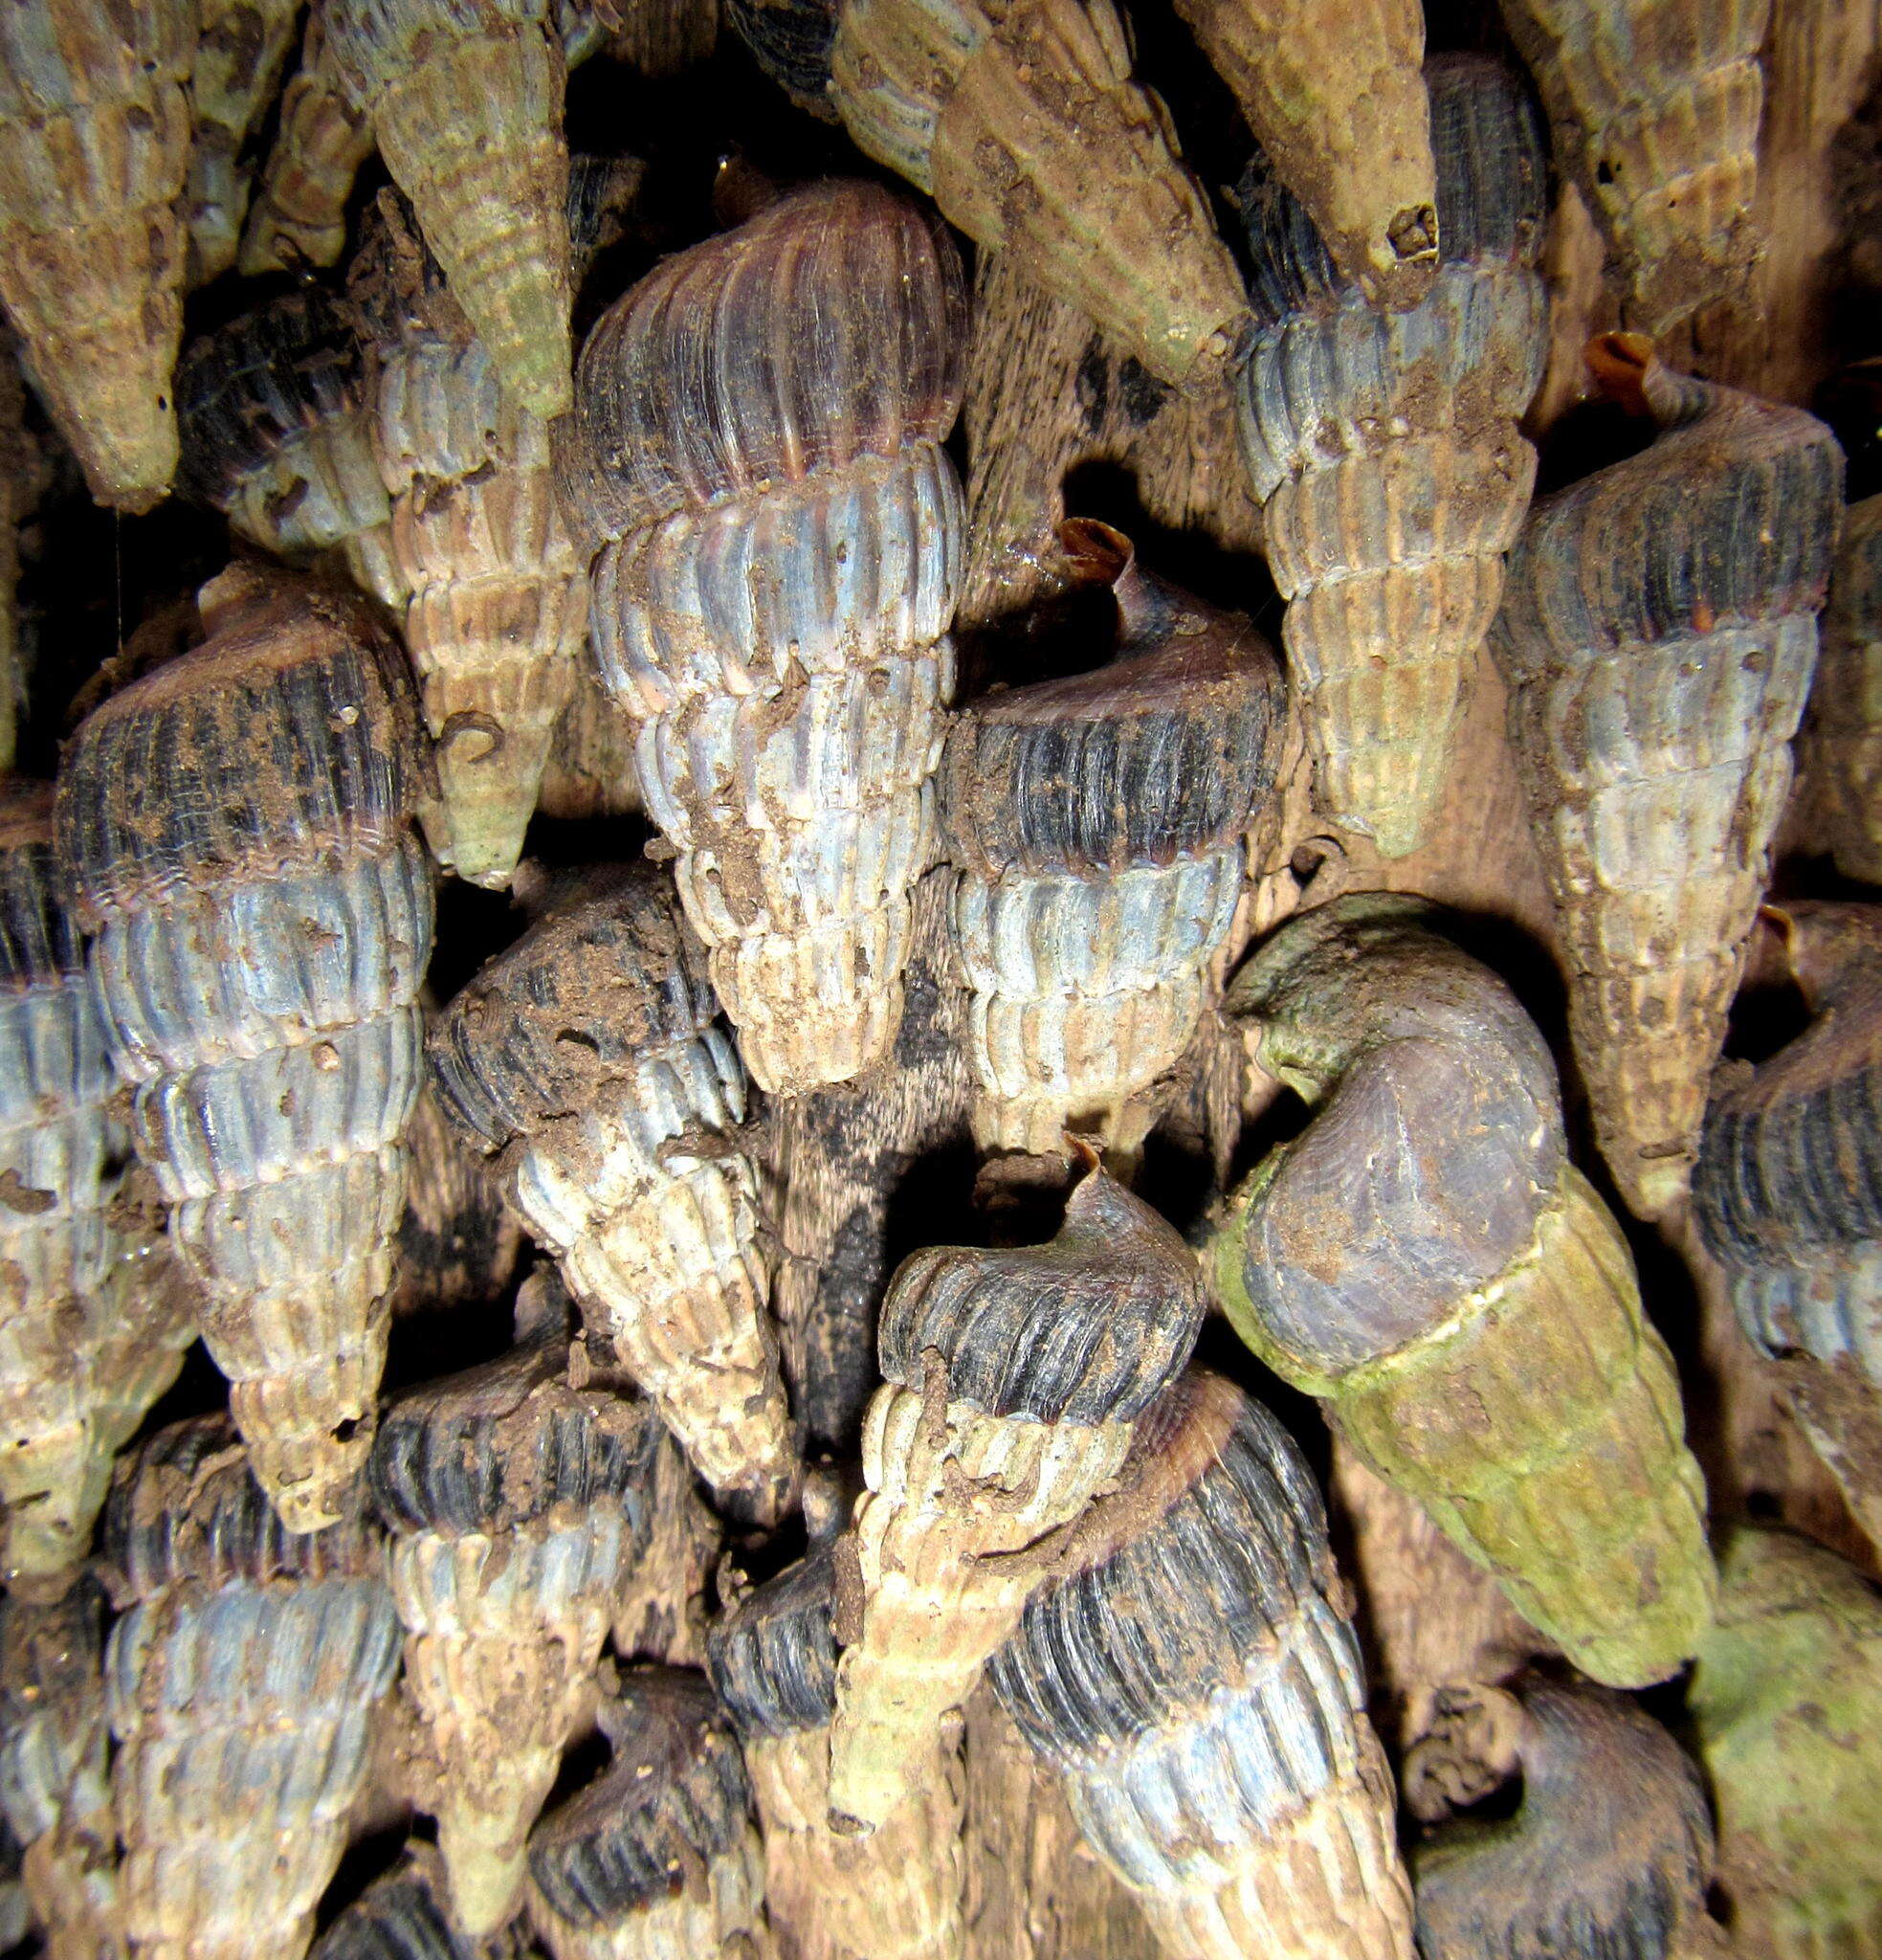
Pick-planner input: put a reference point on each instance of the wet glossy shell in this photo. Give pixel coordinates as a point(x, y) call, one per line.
point(1385, 449)
point(1658, 638)
point(1840, 748)
point(240, 48)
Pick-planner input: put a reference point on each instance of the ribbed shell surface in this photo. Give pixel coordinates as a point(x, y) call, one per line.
point(1841, 744)
point(402, 1916)
point(234, 82)
point(791, 43)
point(51, 1711)
point(772, 1657)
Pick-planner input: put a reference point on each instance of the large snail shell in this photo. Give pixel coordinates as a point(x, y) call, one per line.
point(1658, 637)
point(1025, 125)
point(1097, 824)
point(1609, 1852)
point(242, 1686)
point(1190, 1673)
point(758, 430)
point(592, 1057)
point(1424, 1258)
point(894, 1893)
point(657, 1859)
point(235, 830)
point(1385, 449)
point(1013, 1381)
point(404, 1916)
point(1655, 105)
point(241, 47)
point(1787, 1703)
point(516, 1508)
point(277, 433)
point(93, 1314)
point(1842, 741)
point(94, 144)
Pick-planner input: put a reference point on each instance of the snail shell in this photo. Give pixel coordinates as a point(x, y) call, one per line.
point(516, 1506)
point(1785, 1703)
point(660, 1610)
point(235, 828)
point(277, 432)
point(94, 1316)
point(1424, 1258)
point(1655, 106)
point(758, 432)
point(1609, 1852)
point(1385, 452)
point(242, 1685)
point(22, 479)
point(1098, 826)
point(1658, 636)
point(657, 1859)
point(402, 1916)
point(1013, 1380)
point(892, 1894)
point(240, 48)
point(790, 40)
point(1189, 1672)
point(1842, 741)
point(93, 144)
point(591, 1056)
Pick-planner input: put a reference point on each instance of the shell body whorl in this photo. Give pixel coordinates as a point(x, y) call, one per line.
point(758, 438)
point(1386, 452)
point(1474, 1321)
point(235, 830)
point(1658, 637)
point(1189, 1672)
point(1841, 746)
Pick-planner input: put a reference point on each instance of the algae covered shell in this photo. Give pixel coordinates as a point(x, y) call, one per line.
point(1841, 746)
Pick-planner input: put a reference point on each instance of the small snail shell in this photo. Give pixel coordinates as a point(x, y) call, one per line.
point(894, 1893)
point(1659, 634)
point(1013, 1380)
point(402, 1916)
point(235, 828)
point(1384, 449)
point(1097, 825)
point(1786, 1704)
point(242, 1685)
point(516, 1506)
point(773, 607)
point(241, 46)
point(1189, 1672)
point(276, 431)
point(1424, 1258)
point(1840, 748)
point(592, 1058)
point(93, 144)
point(657, 1859)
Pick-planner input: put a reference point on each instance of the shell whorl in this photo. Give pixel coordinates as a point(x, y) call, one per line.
point(402, 1916)
point(1842, 741)
point(233, 83)
point(52, 1710)
point(772, 1657)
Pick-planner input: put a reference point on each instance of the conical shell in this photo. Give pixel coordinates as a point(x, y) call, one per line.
point(498, 613)
point(1655, 106)
point(1097, 824)
point(235, 828)
point(759, 433)
point(93, 144)
point(404, 1916)
point(1426, 1259)
point(1609, 1852)
point(516, 1506)
point(1384, 449)
point(592, 1058)
point(1025, 125)
point(275, 416)
point(1190, 1674)
point(894, 1893)
point(1013, 1381)
point(1658, 640)
point(466, 105)
point(94, 1315)
point(1840, 748)
point(242, 1685)
point(1786, 1706)
point(241, 46)
point(657, 1859)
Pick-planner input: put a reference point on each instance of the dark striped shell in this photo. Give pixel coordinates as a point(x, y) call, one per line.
point(773, 1657)
point(791, 41)
point(38, 944)
point(402, 1916)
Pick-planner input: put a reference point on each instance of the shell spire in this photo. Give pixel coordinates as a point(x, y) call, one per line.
point(1840, 748)
point(1192, 1620)
point(591, 1057)
point(240, 49)
point(236, 829)
point(1097, 824)
point(1658, 637)
point(94, 146)
point(249, 1664)
point(1386, 452)
point(516, 1506)
point(758, 434)
point(1013, 1383)
point(1427, 1261)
